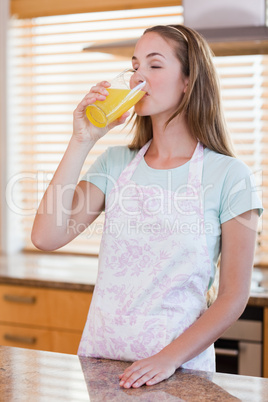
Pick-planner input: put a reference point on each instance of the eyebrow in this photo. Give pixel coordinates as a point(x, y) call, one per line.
point(150, 55)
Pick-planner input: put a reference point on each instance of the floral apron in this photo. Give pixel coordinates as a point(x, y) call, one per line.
point(154, 269)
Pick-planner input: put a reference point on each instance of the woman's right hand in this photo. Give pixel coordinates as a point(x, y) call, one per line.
point(83, 129)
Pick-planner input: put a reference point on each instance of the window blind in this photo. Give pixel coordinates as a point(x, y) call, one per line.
point(243, 81)
point(50, 75)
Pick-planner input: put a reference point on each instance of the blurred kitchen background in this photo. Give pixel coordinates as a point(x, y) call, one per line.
point(52, 52)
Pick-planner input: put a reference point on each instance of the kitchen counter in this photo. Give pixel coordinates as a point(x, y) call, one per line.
point(51, 270)
point(71, 272)
point(29, 375)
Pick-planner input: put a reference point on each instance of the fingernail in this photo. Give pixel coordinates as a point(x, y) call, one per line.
point(127, 385)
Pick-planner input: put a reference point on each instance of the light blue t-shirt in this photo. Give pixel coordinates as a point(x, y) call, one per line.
point(228, 186)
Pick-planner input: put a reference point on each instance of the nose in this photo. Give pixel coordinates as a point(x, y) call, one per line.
point(138, 78)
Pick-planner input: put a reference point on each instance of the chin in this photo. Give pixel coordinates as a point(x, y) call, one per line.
point(141, 111)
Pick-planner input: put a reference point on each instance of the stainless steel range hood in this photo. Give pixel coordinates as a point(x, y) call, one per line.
point(122, 48)
point(224, 14)
point(230, 27)
point(229, 24)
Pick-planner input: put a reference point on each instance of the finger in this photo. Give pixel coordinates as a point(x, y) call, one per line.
point(125, 374)
point(79, 112)
point(156, 379)
point(130, 369)
point(97, 92)
point(120, 120)
point(105, 84)
point(98, 89)
point(101, 88)
point(93, 97)
point(144, 379)
point(125, 377)
point(128, 373)
point(130, 379)
point(123, 118)
point(89, 99)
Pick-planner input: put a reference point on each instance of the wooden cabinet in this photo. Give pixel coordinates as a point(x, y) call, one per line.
point(42, 318)
point(265, 342)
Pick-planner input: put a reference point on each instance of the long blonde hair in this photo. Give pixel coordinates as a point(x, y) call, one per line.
point(202, 100)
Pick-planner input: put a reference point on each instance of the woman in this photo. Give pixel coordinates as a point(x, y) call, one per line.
point(173, 200)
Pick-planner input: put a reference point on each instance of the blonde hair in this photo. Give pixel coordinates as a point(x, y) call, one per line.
point(202, 100)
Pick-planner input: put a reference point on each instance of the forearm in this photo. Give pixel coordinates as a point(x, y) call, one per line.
point(191, 343)
point(238, 244)
point(207, 329)
point(55, 209)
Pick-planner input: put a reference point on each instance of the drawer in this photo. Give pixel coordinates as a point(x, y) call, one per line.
point(40, 339)
point(51, 308)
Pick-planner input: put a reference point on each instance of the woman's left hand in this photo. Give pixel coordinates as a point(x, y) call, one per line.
point(149, 371)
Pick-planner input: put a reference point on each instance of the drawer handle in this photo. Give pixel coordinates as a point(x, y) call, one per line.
point(226, 352)
point(20, 299)
point(30, 340)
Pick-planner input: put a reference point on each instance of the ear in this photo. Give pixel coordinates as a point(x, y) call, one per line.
point(186, 81)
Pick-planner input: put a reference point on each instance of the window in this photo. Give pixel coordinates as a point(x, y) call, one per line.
point(243, 84)
point(50, 75)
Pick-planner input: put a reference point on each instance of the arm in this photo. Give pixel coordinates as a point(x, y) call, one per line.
point(66, 206)
point(238, 245)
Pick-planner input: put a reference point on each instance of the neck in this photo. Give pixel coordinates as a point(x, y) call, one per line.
point(173, 141)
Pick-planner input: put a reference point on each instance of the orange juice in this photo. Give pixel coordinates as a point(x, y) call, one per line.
point(116, 103)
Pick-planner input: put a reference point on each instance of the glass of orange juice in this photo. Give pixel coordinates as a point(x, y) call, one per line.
point(122, 96)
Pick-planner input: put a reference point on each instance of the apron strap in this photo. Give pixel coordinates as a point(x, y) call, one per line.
point(131, 167)
point(196, 170)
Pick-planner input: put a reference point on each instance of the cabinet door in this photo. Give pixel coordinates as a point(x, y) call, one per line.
point(50, 308)
point(40, 338)
point(265, 342)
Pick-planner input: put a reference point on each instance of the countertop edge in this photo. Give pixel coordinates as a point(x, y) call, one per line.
point(46, 284)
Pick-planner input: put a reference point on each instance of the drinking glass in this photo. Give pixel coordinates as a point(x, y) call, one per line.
point(122, 96)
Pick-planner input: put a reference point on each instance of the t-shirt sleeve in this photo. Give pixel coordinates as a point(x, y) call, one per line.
point(239, 193)
point(97, 173)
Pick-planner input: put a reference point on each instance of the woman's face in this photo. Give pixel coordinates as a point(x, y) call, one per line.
point(154, 58)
